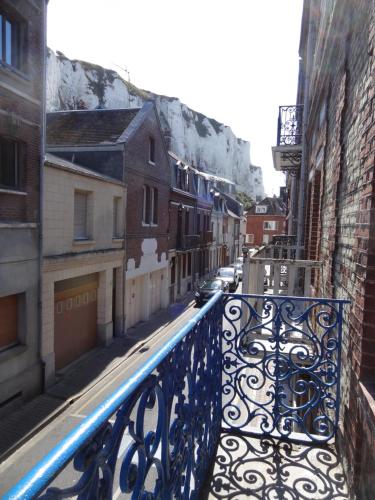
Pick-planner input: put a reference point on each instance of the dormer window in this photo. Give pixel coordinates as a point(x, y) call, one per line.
point(10, 41)
point(261, 209)
point(151, 149)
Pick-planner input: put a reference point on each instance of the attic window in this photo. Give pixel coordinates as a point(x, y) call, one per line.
point(151, 157)
point(260, 209)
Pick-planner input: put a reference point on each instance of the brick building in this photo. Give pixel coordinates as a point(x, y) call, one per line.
point(264, 220)
point(184, 239)
point(83, 258)
point(128, 145)
point(22, 76)
point(328, 145)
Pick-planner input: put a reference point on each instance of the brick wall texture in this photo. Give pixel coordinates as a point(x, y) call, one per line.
point(340, 217)
point(21, 113)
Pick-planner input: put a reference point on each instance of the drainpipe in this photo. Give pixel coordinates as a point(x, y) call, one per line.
point(304, 164)
point(41, 191)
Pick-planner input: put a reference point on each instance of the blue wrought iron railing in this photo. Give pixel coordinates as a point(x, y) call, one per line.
point(247, 363)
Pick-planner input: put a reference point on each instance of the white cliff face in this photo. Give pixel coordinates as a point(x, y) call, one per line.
point(195, 138)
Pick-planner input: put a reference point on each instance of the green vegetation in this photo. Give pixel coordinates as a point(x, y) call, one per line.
point(245, 199)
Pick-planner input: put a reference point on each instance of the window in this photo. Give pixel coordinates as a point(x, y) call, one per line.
point(154, 206)
point(249, 238)
point(270, 225)
point(266, 238)
point(117, 232)
point(150, 206)
point(10, 163)
point(8, 321)
point(151, 156)
point(260, 209)
point(81, 231)
point(189, 264)
point(10, 41)
point(198, 223)
point(187, 219)
point(184, 266)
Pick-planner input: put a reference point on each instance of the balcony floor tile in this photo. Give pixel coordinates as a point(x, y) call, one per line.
point(268, 468)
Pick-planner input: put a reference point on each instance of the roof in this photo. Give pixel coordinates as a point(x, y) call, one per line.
point(206, 175)
point(55, 161)
point(88, 127)
point(274, 207)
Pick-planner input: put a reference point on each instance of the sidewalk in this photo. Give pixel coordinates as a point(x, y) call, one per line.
point(93, 370)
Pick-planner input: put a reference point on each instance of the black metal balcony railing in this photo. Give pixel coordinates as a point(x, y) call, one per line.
point(207, 237)
point(289, 127)
point(188, 241)
point(248, 364)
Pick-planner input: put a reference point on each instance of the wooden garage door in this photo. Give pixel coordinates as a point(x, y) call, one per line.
point(75, 318)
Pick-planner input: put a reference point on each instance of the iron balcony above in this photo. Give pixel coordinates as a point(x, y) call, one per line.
point(188, 241)
point(207, 237)
point(287, 154)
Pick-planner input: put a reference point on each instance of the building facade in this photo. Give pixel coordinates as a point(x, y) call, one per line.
point(183, 236)
point(22, 76)
point(264, 220)
point(127, 145)
point(83, 259)
point(330, 157)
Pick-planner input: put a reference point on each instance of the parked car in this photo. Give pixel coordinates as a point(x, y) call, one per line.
point(239, 260)
point(239, 267)
point(208, 288)
point(230, 276)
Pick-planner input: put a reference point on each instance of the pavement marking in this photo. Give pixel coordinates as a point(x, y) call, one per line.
point(77, 415)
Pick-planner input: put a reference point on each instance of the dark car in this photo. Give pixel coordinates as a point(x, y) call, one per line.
point(208, 288)
point(239, 267)
point(230, 276)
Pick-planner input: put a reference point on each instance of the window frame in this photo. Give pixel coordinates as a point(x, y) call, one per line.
point(272, 223)
point(17, 166)
point(151, 150)
point(87, 234)
point(150, 206)
point(16, 57)
point(117, 233)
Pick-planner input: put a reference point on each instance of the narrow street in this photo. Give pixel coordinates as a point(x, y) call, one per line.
point(24, 458)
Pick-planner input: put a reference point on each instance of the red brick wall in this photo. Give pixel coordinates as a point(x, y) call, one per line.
point(341, 218)
point(254, 225)
point(138, 172)
point(17, 207)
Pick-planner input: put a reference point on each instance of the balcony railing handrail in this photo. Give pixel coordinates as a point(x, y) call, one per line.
point(35, 481)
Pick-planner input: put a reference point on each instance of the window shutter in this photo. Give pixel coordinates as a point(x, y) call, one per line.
point(80, 216)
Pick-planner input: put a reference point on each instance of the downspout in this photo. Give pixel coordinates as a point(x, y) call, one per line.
point(125, 240)
point(41, 191)
point(304, 163)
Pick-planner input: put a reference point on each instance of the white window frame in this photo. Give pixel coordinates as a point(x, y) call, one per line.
point(261, 209)
point(270, 225)
point(151, 218)
point(78, 234)
point(249, 238)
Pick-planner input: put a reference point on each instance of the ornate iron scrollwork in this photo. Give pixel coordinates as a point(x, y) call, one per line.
point(289, 132)
point(281, 360)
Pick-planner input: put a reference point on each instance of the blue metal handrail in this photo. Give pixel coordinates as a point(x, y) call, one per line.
point(45, 471)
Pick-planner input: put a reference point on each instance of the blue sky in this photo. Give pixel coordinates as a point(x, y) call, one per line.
point(235, 61)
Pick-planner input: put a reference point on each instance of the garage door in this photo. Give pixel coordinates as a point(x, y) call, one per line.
point(156, 291)
point(75, 318)
point(134, 301)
